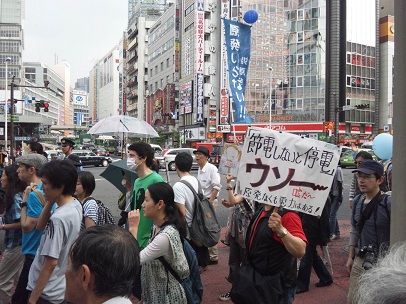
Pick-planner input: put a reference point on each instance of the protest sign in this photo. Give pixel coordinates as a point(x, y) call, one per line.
point(286, 170)
point(230, 159)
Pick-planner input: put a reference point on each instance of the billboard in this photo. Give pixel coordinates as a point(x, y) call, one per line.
point(186, 98)
point(79, 99)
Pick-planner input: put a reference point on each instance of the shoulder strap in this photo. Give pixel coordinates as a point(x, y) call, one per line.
point(191, 187)
point(170, 269)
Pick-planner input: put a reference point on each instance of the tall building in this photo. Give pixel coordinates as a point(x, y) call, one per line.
point(104, 87)
point(145, 14)
point(313, 61)
point(80, 108)
point(387, 54)
point(163, 72)
point(11, 47)
point(82, 84)
point(199, 82)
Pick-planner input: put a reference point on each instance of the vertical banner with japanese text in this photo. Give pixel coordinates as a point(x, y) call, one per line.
point(224, 100)
point(286, 170)
point(199, 61)
point(238, 44)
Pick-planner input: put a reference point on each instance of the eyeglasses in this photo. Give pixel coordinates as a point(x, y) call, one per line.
point(363, 176)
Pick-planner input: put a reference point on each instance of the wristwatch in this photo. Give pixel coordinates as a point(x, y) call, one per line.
point(284, 233)
point(23, 204)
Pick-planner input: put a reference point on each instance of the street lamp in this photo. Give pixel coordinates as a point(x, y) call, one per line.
point(270, 69)
point(8, 60)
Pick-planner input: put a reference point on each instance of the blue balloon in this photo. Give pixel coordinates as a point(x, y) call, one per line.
point(383, 146)
point(251, 16)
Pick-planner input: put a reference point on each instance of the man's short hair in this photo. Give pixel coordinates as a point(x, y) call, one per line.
point(364, 154)
point(60, 174)
point(112, 255)
point(385, 282)
point(184, 161)
point(143, 149)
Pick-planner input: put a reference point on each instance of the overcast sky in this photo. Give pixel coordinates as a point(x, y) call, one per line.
point(78, 31)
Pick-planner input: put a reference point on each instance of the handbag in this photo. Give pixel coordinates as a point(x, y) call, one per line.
point(252, 287)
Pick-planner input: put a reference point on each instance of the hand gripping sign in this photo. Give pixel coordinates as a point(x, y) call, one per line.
point(286, 170)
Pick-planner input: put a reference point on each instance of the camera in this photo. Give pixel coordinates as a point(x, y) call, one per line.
point(370, 255)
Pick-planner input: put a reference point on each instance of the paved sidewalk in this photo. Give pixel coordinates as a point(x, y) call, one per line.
point(215, 283)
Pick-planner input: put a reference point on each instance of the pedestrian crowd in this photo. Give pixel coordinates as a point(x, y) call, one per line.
point(59, 250)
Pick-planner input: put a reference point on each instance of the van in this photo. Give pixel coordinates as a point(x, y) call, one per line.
point(157, 149)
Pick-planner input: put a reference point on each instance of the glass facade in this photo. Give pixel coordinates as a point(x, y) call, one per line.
point(361, 60)
point(287, 68)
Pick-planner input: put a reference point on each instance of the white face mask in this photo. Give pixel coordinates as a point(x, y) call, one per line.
point(124, 182)
point(131, 164)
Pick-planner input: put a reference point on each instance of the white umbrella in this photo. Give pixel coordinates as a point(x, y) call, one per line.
point(123, 124)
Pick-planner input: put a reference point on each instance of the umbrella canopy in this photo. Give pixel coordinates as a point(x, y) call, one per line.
point(123, 124)
point(114, 174)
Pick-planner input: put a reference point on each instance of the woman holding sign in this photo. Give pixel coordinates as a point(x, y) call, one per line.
point(274, 240)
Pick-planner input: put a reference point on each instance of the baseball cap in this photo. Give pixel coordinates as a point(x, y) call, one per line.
point(67, 142)
point(370, 167)
point(33, 160)
point(202, 150)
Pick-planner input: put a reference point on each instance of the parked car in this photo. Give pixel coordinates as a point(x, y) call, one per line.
point(347, 157)
point(168, 157)
point(101, 151)
point(89, 158)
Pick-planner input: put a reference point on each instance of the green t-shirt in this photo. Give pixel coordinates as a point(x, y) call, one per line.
point(140, 186)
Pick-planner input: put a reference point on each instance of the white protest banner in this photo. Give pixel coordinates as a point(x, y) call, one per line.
point(230, 159)
point(286, 170)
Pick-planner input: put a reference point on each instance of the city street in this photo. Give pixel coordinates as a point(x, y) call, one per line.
point(108, 194)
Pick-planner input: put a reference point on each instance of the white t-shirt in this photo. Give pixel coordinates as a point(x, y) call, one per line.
point(209, 178)
point(185, 197)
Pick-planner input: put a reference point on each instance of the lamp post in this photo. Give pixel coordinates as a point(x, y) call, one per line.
point(270, 96)
point(8, 60)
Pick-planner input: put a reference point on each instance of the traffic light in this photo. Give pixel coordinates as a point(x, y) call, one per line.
point(46, 107)
point(362, 106)
point(37, 106)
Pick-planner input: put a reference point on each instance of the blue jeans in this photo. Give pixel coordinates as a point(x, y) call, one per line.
point(334, 229)
point(309, 260)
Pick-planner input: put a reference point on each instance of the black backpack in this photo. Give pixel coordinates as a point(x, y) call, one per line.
point(104, 215)
point(205, 229)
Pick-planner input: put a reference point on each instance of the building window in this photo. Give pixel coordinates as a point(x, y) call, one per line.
point(162, 66)
point(167, 62)
point(299, 81)
point(299, 104)
point(189, 9)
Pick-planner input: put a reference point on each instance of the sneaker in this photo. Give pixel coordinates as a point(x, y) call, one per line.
point(334, 237)
point(225, 297)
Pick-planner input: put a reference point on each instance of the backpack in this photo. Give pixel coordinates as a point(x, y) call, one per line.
point(192, 284)
point(104, 215)
point(205, 229)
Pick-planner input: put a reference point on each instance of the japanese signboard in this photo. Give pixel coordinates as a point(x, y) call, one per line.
point(230, 159)
point(186, 98)
point(224, 101)
point(238, 42)
point(286, 170)
point(199, 61)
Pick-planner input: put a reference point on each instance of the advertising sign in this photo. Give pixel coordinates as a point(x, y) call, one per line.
point(186, 98)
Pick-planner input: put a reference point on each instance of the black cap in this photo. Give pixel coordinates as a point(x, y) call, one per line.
point(67, 142)
point(202, 150)
point(370, 167)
